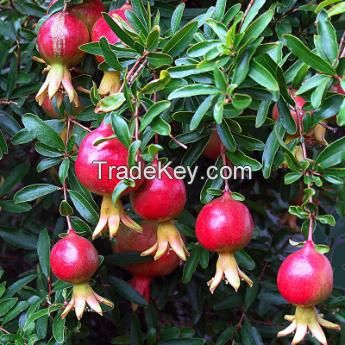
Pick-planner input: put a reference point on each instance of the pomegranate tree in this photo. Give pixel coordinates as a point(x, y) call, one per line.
point(101, 145)
point(162, 199)
point(111, 79)
point(58, 42)
point(75, 260)
point(225, 226)
point(143, 273)
point(305, 279)
point(88, 12)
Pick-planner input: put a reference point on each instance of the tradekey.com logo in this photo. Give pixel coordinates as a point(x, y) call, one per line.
point(189, 174)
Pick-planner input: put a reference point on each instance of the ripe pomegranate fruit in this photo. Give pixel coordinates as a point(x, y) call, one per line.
point(102, 178)
point(58, 42)
point(143, 273)
point(111, 80)
point(88, 12)
point(162, 199)
point(305, 279)
point(213, 147)
point(224, 226)
point(75, 260)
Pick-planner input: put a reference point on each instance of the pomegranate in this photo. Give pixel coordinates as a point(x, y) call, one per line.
point(101, 178)
point(111, 80)
point(58, 42)
point(88, 12)
point(162, 199)
point(75, 260)
point(224, 226)
point(213, 147)
point(305, 279)
point(143, 273)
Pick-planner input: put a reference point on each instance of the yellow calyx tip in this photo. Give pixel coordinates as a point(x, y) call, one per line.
point(168, 236)
point(110, 83)
point(111, 216)
point(84, 296)
point(227, 268)
point(58, 77)
point(307, 318)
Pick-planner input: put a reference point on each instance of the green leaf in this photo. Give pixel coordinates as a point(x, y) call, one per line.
point(262, 113)
point(59, 328)
point(153, 38)
point(202, 48)
point(3, 146)
point(110, 103)
point(41, 131)
point(218, 110)
point(336, 10)
point(239, 158)
point(292, 177)
point(63, 170)
point(19, 285)
point(161, 127)
point(43, 251)
point(181, 39)
point(193, 90)
point(133, 153)
point(155, 110)
point(226, 137)
point(34, 191)
point(121, 129)
point(126, 291)
point(241, 101)
point(83, 206)
point(331, 155)
point(158, 60)
point(120, 188)
point(65, 209)
point(109, 55)
point(14, 312)
point(6, 305)
point(326, 219)
point(201, 112)
point(263, 77)
point(191, 265)
point(327, 37)
point(299, 49)
point(176, 17)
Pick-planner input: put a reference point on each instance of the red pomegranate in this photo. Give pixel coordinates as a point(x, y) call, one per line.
point(224, 226)
point(48, 108)
point(58, 42)
point(143, 273)
point(162, 199)
point(305, 279)
point(75, 260)
point(88, 12)
point(102, 178)
point(213, 147)
point(111, 79)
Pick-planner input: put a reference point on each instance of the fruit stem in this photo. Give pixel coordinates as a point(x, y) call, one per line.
point(226, 180)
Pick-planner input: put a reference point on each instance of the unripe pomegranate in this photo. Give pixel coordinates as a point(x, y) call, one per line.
point(213, 147)
point(305, 279)
point(224, 226)
point(102, 178)
point(162, 199)
point(75, 260)
point(88, 12)
point(58, 42)
point(143, 273)
point(111, 80)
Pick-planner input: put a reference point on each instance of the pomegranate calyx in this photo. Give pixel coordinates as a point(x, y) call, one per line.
point(307, 318)
point(111, 216)
point(58, 77)
point(110, 83)
point(168, 237)
point(227, 268)
point(84, 295)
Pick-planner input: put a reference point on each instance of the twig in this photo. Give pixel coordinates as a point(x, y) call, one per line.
point(179, 143)
point(342, 46)
point(226, 180)
point(2, 329)
point(247, 10)
point(80, 125)
point(7, 101)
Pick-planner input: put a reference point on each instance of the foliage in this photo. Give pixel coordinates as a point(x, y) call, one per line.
point(194, 68)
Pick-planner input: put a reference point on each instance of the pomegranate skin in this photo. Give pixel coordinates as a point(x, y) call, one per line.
point(213, 147)
point(102, 29)
point(113, 152)
point(59, 38)
point(160, 199)
point(131, 241)
point(88, 12)
point(74, 259)
point(305, 277)
point(224, 225)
